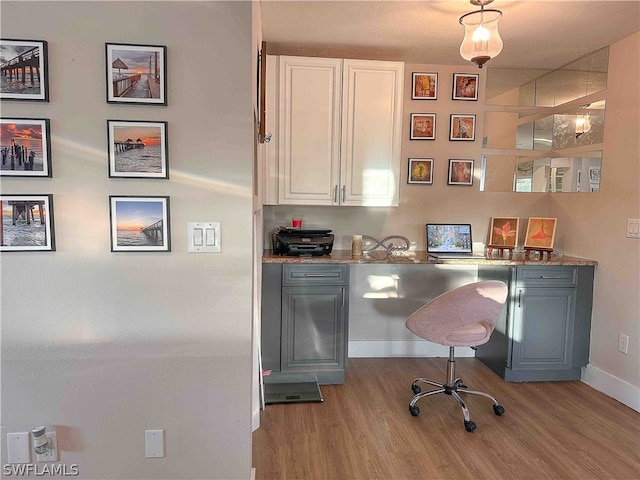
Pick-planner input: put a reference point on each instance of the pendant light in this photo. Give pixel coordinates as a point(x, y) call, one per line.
point(481, 40)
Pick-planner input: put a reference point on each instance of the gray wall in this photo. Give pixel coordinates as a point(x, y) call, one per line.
point(105, 345)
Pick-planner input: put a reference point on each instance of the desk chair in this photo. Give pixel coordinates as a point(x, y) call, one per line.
point(463, 317)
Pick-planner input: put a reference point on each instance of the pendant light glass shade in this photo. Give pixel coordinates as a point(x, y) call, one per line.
point(481, 40)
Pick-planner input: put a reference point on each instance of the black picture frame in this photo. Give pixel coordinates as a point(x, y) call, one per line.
point(424, 86)
point(27, 223)
point(25, 70)
point(465, 86)
point(422, 126)
point(25, 147)
point(462, 127)
point(420, 171)
point(460, 172)
point(138, 149)
point(148, 88)
point(139, 223)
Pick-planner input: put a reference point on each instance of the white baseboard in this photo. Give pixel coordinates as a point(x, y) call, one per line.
point(402, 348)
point(612, 386)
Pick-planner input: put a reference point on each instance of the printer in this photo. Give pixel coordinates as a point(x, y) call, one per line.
point(296, 242)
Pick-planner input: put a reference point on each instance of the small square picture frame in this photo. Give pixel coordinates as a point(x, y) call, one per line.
point(25, 147)
point(423, 126)
point(504, 231)
point(26, 223)
point(137, 149)
point(465, 86)
point(136, 74)
point(420, 171)
point(460, 172)
point(462, 127)
point(32, 65)
point(139, 223)
point(541, 232)
point(424, 86)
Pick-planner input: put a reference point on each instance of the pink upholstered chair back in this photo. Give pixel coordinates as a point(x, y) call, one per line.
point(463, 317)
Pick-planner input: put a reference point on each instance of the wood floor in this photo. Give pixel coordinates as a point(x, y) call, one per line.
point(363, 429)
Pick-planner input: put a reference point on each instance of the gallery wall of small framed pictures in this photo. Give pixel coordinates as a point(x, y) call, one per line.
point(462, 126)
point(137, 149)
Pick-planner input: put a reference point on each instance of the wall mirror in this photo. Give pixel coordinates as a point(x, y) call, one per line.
point(544, 135)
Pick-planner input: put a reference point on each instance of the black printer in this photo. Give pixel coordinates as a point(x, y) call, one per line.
point(296, 242)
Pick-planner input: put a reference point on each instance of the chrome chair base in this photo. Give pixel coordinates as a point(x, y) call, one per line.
point(453, 387)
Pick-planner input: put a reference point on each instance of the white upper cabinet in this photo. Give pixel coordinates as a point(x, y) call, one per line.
point(371, 132)
point(339, 128)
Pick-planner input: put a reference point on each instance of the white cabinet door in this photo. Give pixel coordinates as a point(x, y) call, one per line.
point(371, 132)
point(310, 92)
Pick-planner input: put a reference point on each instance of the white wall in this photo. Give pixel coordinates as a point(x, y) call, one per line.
point(105, 345)
point(594, 226)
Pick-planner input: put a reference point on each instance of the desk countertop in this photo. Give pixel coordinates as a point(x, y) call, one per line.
point(421, 257)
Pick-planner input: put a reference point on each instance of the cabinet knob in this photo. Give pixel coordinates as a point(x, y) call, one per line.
point(267, 138)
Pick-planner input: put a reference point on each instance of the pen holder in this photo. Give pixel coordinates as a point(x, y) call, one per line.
point(356, 246)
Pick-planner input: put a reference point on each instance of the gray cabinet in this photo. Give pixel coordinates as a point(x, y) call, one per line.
point(545, 332)
point(304, 338)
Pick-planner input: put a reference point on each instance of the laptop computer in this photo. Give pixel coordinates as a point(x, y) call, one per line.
point(447, 240)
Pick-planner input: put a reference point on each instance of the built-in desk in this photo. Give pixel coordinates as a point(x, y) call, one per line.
point(307, 304)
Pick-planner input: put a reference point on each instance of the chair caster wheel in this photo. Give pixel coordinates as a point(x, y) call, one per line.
point(469, 425)
point(415, 411)
point(416, 389)
point(498, 410)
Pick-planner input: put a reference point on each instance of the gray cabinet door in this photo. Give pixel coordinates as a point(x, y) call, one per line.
point(543, 328)
point(313, 328)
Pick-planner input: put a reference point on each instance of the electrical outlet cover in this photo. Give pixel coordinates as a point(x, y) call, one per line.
point(18, 447)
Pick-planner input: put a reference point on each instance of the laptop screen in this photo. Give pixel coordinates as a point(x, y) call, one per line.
point(444, 238)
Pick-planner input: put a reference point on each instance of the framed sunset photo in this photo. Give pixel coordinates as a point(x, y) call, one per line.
point(25, 147)
point(137, 149)
point(26, 223)
point(139, 224)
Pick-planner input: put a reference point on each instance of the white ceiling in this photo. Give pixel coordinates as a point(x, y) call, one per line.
point(536, 33)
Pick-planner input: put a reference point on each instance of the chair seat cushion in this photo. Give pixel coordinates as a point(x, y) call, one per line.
point(469, 335)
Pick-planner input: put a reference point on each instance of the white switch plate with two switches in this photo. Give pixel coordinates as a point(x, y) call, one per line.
point(203, 237)
point(633, 228)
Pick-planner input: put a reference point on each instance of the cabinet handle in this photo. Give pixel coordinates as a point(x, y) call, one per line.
point(314, 275)
point(344, 192)
point(544, 277)
point(519, 298)
point(267, 138)
point(335, 194)
point(343, 295)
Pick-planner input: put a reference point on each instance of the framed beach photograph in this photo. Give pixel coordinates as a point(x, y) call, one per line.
point(424, 86)
point(460, 172)
point(423, 126)
point(25, 147)
point(465, 86)
point(463, 127)
point(541, 233)
point(27, 223)
point(136, 74)
point(504, 231)
point(420, 171)
point(25, 74)
point(139, 224)
point(137, 149)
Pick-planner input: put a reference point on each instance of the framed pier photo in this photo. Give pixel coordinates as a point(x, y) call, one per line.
point(25, 147)
point(137, 149)
point(24, 74)
point(27, 223)
point(139, 224)
point(136, 74)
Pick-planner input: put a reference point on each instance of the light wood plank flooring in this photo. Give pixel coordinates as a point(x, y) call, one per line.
point(363, 429)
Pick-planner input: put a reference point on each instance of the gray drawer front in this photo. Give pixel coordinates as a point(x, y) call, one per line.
point(322, 274)
point(547, 276)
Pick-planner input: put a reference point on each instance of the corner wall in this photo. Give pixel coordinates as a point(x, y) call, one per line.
point(106, 345)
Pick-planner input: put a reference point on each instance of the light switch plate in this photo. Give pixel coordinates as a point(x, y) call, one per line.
point(18, 447)
point(633, 228)
point(203, 237)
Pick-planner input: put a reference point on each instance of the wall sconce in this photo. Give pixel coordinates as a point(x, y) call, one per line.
point(583, 124)
point(481, 40)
